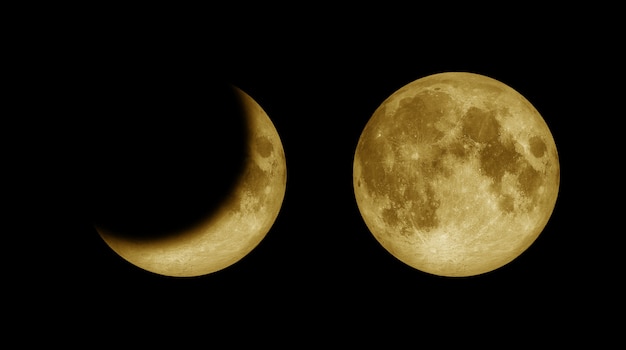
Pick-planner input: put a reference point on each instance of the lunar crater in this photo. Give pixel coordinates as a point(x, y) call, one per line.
point(537, 146)
point(264, 146)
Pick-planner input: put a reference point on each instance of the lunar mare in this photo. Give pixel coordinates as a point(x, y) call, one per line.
point(239, 224)
point(456, 174)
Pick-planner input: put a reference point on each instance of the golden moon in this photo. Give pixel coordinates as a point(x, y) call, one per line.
point(236, 227)
point(456, 174)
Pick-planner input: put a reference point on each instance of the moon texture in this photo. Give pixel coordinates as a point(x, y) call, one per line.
point(456, 174)
point(236, 227)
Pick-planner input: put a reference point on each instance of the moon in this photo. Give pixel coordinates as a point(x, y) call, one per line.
point(456, 174)
point(236, 227)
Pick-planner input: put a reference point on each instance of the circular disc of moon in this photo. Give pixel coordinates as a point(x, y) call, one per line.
point(236, 227)
point(456, 174)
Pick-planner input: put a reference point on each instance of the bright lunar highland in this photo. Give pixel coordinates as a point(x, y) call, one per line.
point(456, 174)
point(237, 226)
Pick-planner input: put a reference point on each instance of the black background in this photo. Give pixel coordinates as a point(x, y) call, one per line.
point(319, 75)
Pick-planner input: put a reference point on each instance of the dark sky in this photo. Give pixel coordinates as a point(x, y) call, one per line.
point(319, 261)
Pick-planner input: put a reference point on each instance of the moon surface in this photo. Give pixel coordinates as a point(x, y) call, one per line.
point(456, 174)
point(240, 222)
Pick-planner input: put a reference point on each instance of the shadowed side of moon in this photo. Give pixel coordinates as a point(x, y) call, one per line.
point(166, 151)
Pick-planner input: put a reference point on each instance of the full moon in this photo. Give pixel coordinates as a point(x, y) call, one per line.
point(239, 223)
point(456, 174)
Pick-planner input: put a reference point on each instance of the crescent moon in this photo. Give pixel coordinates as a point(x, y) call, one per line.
point(239, 223)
